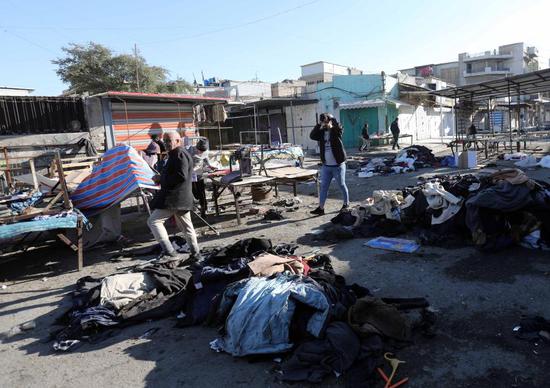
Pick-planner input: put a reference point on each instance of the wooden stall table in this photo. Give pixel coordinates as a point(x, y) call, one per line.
point(291, 176)
point(219, 186)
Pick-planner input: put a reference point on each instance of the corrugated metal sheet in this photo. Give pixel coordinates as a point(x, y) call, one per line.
point(134, 122)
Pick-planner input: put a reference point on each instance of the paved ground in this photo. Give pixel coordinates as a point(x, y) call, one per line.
point(479, 298)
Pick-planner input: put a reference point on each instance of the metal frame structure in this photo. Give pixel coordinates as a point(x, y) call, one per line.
point(506, 87)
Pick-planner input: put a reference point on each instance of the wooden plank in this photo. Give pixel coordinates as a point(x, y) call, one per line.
point(67, 241)
point(33, 173)
point(66, 200)
point(12, 219)
point(79, 243)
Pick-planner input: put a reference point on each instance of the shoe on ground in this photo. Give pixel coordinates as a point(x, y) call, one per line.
point(166, 257)
point(344, 208)
point(318, 212)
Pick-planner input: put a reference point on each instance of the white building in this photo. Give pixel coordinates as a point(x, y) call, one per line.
point(510, 59)
point(14, 91)
point(240, 90)
point(321, 71)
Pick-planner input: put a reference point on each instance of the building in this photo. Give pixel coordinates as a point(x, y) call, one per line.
point(447, 71)
point(14, 91)
point(237, 90)
point(319, 72)
point(471, 68)
point(510, 59)
point(288, 88)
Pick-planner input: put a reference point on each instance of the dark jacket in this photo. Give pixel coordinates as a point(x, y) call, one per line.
point(394, 128)
point(175, 182)
point(365, 133)
point(336, 131)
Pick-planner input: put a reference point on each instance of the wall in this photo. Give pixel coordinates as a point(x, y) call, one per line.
point(305, 118)
point(96, 123)
point(15, 92)
point(311, 69)
point(425, 122)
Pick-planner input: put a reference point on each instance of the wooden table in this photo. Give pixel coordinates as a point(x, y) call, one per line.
point(292, 176)
point(219, 187)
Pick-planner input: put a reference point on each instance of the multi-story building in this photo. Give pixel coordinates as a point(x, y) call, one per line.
point(510, 59)
point(507, 60)
point(321, 71)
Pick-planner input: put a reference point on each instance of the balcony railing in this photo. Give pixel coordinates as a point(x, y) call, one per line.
point(487, 70)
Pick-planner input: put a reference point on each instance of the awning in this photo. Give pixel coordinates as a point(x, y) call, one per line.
point(373, 103)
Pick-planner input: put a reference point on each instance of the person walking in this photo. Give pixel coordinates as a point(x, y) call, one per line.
point(199, 153)
point(394, 128)
point(175, 198)
point(328, 133)
point(365, 138)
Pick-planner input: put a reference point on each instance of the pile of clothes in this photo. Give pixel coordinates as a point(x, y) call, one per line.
point(408, 159)
point(266, 301)
point(493, 211)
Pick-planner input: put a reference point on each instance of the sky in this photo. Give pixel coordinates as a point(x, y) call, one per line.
point(268, 40)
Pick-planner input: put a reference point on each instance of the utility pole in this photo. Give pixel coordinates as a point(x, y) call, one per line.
point(137, 67)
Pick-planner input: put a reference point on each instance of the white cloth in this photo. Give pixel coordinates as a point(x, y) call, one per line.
point(330, 160)
point(119, 290)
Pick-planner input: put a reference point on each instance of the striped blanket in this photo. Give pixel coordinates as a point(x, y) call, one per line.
point(121, 172)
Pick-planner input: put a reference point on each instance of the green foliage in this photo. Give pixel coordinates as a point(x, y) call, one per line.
point(93, 69)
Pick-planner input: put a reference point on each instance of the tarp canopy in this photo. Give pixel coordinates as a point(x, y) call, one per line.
point(121, 172)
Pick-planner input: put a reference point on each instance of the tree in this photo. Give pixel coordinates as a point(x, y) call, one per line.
point(93, 69)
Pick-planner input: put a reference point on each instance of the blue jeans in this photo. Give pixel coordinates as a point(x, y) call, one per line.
point(339, 175)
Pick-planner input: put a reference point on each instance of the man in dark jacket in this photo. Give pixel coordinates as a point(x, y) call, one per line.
point(365, 138)
point(175, 198)
point(329, 135)
point(394, 128)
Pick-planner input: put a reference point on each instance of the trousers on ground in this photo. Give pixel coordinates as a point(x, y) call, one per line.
point(183, 221)
point(338, 173)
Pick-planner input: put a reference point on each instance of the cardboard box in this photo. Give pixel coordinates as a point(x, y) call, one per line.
point(467, 159)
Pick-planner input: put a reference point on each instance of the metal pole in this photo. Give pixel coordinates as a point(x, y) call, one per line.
point(292, 122)
point(255, 127)
point(137, 67)
point(510, 117)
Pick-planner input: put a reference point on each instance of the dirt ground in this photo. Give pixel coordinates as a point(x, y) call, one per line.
point(479, 298)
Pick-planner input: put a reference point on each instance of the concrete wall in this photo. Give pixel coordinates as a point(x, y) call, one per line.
point(425, 122)
point(96, 124)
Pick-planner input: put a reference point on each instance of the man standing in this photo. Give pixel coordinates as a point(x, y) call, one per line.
point(199, 153)
point(175, 198)
point(394, 128)
point(329, 135)
point(365, 137)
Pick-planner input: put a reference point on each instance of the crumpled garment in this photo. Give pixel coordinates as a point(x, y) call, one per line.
point(18, 207)
point(436, 189)
point(383, 202)
point(371, 315)
point(119, 290)
point(530, 161)
point(545, 162)
point(512, 175)
point(267, 264)
point(261, 310)
point(439, 198)
point(313, 360)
